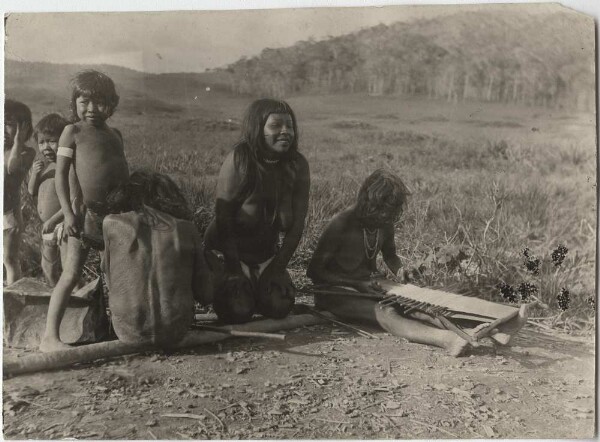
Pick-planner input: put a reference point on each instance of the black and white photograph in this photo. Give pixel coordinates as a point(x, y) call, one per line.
point(288, 222)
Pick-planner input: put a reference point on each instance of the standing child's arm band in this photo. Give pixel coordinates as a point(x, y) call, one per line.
point(65, 152)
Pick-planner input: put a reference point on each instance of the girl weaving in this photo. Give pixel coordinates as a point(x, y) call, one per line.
point(262, 191)
point(346, 256)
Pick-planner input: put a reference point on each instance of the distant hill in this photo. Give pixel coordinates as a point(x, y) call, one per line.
point(48, 84)
point(509, 55)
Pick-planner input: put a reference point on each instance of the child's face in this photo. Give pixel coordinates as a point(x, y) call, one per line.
point(385, 215)
point(48, 145)
point(10, 130)
point(279, 132)
point(92, 110)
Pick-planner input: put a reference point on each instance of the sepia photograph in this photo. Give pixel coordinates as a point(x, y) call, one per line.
point(319, 222)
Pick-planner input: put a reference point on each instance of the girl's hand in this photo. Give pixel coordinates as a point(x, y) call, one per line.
point(371, 287)
point(38, 166)
point(48, 226)
point(70, 225)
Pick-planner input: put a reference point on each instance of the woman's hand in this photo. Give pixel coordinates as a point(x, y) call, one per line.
point(279, 281)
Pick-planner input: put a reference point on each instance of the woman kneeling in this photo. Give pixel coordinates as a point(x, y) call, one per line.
point(262, 191)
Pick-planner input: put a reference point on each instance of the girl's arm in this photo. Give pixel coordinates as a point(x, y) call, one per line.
point(388, 250)
point(299, 210)
point(64, 159)
point(228, 186)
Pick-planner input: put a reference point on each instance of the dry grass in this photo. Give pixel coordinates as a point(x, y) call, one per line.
point(481, 192)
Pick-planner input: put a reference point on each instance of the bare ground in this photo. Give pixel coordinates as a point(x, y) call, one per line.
point(323, 382)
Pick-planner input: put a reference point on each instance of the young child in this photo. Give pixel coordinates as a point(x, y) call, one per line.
point(17, 161)
point(346, 256)
point(41, 186)
point(95, 152)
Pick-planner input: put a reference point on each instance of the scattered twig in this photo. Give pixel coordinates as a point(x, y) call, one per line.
point(184, 415)
point(373, 404)
point(183, 436)
point(228, 406)
point(216, 417)
point(38, 405)
point(434, 427)
point(331, 421)
point(153, 435)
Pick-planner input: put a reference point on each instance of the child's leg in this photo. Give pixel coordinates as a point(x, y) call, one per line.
point(416, 331)
point(12, 243)
point(76, 256)
point(50, 261)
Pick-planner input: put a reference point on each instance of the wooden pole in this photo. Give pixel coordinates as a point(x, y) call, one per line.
point(88, 353)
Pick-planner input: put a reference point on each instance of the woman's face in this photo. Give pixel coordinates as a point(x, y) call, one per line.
point(279, 133)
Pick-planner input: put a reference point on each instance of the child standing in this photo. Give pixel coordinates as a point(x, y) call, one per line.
point(95, 152)
point(41, 186)
point(17, 161)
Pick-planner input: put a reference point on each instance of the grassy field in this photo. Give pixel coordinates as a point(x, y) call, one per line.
point(488, 180)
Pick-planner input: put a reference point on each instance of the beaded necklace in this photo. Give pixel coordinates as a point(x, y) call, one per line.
point(370, 250)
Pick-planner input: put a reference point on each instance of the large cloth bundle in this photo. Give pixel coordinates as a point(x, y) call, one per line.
point(151, 267)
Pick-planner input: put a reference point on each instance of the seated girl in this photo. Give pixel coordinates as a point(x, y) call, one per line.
point(346, 256)
point(262, 193)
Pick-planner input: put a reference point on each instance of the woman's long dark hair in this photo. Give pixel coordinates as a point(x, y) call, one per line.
point(151, 189)
point(248, 151)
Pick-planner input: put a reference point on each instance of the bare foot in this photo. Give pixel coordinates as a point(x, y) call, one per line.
point(48, 345)
point(509, 329)
point(457, 345)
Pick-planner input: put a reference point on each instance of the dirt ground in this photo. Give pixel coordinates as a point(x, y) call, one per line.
point(322, 382)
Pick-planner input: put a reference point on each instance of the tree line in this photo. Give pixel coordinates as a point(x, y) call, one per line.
point(544, 59)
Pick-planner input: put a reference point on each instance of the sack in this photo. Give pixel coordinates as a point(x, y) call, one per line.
point(150, 260)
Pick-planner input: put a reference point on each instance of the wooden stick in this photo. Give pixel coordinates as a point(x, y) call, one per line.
point(328, 316)
point(244, 334)
point(88, 353)
point(344, 293)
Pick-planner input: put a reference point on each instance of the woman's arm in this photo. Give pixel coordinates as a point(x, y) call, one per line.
point(228, 186)
point(202, 277)
point(292, 237)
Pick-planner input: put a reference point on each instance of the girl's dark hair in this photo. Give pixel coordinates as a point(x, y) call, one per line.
point(95, 85)
point(51, 124)
point(247, 152)
point(20, 112)
point(381, 189)
point(151, 189)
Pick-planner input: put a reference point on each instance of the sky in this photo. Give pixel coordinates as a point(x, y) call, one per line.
point(188, 41)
